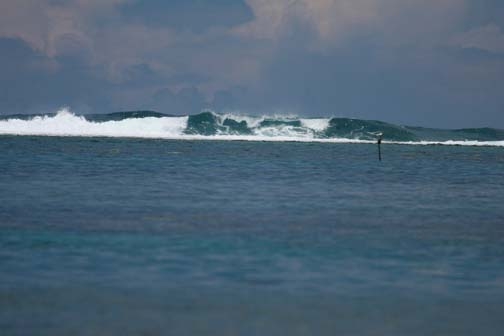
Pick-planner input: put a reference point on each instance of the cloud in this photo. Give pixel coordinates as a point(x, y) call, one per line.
point(32, 82)
point(489, 38)
point(403, 61)
point(26, 20)
point(335, 21)
point(187, 14)
point(482, 13)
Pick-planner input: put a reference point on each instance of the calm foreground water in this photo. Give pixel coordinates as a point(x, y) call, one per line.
point(103, 236)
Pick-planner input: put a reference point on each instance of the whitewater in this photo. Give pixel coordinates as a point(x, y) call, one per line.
point(212, 126)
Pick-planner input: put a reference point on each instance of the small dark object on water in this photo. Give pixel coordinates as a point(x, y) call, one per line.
point(379, 146)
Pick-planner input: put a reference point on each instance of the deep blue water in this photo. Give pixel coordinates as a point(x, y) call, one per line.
point(102, 236)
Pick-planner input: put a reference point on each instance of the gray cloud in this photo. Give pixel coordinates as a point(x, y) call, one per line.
point(192, 15)
point(433, 63)
point(489, 38)
point(32, 82)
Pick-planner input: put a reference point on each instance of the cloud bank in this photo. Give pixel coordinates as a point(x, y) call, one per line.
point(434, 62)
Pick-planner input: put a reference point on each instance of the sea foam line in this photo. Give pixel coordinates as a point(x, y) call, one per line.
point(64, 123)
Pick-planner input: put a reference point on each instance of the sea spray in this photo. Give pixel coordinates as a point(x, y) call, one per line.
point(209, 125)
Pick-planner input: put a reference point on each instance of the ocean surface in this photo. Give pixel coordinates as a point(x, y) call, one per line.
point(158, 225)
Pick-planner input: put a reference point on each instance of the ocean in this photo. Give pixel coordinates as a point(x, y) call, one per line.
point(145, 224)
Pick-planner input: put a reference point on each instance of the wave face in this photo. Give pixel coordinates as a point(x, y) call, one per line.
point(210, 125)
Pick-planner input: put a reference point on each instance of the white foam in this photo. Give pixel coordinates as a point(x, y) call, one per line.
point(283, 131)
point(450, 143)
point(318, 124)
point(64, 123)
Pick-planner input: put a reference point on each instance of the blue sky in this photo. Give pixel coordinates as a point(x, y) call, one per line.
point(436, 63)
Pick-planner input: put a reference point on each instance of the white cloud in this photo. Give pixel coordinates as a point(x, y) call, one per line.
point(489, 38)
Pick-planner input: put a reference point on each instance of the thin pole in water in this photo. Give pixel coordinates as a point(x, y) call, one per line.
point(379, 146)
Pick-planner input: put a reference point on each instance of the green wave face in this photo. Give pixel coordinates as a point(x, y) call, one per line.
point(473, 134)
point(206, 123)
point(481, 134)
point(209, 123)
point(367, 130)
point(279, 122)
point(236, 127)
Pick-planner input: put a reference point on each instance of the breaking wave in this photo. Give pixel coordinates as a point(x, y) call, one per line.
point(209, 125)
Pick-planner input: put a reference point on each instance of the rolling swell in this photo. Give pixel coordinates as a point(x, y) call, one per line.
point(208, 123)
point(367, 130)
point(151, 124)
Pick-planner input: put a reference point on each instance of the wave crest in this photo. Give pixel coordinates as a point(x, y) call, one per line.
point(210, 125)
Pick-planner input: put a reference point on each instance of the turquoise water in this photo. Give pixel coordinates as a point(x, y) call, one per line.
point(103, 236)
